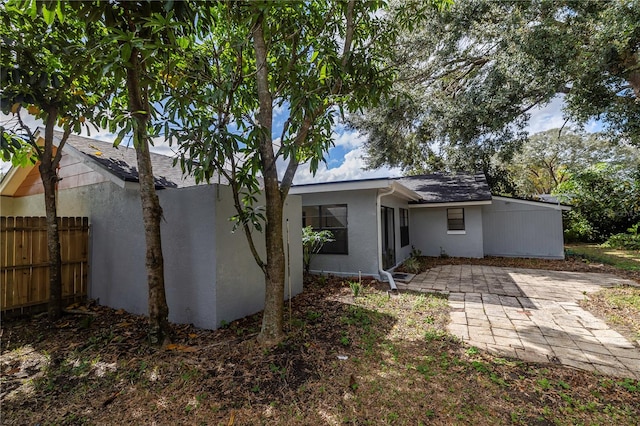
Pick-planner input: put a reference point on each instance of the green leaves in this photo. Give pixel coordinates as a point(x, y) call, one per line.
point(470, 74)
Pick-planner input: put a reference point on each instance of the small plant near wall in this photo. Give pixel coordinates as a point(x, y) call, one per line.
point(312, 242)
point(412, 265)
point(356, 288)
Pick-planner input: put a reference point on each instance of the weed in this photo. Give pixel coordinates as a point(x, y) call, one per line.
point(356, 288)
point(480, 367)
point(498, 380)
point(392, 417)
point(472, 351)
point(190, 374)
point(434, 334)
point(544, 384)
point(344, 339)
point(393, 350)
point(630, 385)
point(313, 315)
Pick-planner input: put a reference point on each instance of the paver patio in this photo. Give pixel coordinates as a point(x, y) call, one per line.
point(532, 315)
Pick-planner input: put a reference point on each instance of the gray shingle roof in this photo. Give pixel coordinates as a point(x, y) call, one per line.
point(121, 162)
point(442, 188)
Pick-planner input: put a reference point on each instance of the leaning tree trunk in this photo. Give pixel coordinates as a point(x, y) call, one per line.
point(159, 330)
point(49, 177)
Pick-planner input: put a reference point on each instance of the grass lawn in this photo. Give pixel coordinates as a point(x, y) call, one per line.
point(372, 359)
point(622, 259)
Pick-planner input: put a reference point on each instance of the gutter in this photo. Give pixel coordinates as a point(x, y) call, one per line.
point(381, 271)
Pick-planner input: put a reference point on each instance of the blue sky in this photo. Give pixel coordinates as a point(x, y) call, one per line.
point(344, 160)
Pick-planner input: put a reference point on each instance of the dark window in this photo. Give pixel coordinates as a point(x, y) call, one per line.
point(404, 227)
point(331, 217)
point(455, 219)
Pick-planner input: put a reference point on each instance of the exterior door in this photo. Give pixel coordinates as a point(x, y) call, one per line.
point(388, 238)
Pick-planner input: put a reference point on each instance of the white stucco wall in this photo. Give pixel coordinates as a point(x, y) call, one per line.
point(241, 283)
point(362, 233)
point(428, 230)
point(210, 275)
point(516, 229)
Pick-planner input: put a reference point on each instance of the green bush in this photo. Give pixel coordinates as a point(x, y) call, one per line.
point(629, 241)
point(412, 265)
point(312, 242)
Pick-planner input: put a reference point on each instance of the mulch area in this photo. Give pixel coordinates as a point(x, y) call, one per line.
point(374, 359)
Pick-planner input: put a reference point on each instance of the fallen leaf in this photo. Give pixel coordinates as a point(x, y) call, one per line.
point(181, 348)
point(124, 324)
point(192, 335)
point(119, 312)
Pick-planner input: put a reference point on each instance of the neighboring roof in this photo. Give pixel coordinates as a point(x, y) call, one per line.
point(121, 162)
point(439, 188)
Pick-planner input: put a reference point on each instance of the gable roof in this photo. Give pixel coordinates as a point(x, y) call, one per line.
point(121, 162)
point(443, 188)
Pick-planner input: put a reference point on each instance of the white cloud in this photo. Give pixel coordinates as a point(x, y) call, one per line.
point(547, 117)
point(347, 138)
point(350, 169)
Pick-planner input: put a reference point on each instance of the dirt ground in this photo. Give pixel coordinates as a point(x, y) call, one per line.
point(376, 358)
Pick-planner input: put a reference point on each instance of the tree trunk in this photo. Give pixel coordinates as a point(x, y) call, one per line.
point(159, 330)
point(272, 318)
point(49, 177)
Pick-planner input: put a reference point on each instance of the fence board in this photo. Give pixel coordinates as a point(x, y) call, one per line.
point(24, 268)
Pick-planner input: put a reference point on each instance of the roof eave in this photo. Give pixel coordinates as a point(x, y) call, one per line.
point(340, 186)
point(449, 204)
point(555, 206)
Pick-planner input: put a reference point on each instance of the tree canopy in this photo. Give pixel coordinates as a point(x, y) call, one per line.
point(553, 157)
point(470, 75)
point(45, 72)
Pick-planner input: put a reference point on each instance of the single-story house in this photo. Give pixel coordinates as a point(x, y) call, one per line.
point(210, 274)
point(376, 223)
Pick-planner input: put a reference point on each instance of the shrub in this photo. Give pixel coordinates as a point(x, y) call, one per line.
point(312, 242)
point(629, 241)
point(412, 265)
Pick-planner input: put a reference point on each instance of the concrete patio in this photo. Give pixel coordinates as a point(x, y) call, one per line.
point(532, 315)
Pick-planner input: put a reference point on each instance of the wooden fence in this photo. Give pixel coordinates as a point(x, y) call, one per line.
point(24, 267)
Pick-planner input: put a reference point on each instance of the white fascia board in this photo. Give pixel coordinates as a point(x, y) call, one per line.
point(452, 204)
point(340, 186)
point(534, 203)
point(405, 192)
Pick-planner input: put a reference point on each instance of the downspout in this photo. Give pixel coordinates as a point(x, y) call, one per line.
point(381, 270)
